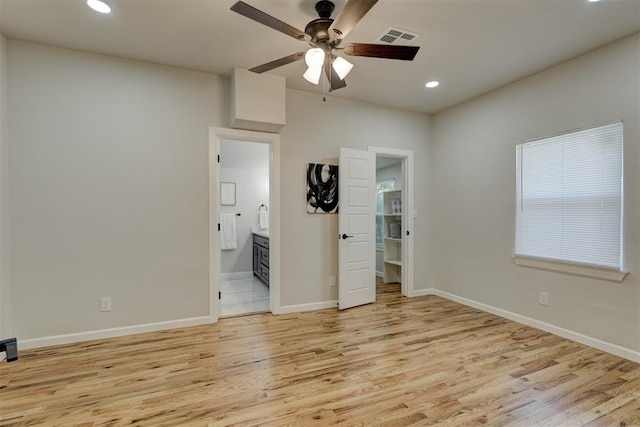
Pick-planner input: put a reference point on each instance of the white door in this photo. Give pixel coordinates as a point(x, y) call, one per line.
point(357, 228)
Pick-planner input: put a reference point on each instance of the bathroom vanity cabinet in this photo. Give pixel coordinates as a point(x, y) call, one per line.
point(261, 258)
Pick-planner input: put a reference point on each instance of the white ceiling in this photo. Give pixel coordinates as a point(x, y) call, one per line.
point(471, 46)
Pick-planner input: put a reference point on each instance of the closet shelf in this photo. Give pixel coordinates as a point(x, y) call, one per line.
point(392, 229)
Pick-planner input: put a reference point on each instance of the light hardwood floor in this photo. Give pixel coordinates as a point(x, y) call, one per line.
point(397, 362)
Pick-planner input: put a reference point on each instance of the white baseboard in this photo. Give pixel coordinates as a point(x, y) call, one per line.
point(307, 307)
point(237, 276)
point(379, 274)
point(615, 349)
point(3, 355)
point(422, 292)
point(111, 333)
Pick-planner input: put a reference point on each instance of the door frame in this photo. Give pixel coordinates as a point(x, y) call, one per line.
point(215, 135)
point(408, 214)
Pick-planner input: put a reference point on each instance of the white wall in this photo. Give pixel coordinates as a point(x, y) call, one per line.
point(109, 189)
point(473, 185)
point(314, 133)
point(5, 288)
point(252, 190)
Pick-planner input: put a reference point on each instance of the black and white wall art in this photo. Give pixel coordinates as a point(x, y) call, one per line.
point(322, 188)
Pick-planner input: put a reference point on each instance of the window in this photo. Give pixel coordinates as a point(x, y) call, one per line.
point(569, 198)
point(382, 187)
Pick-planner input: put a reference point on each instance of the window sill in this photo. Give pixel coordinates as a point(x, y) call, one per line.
point(602, 273)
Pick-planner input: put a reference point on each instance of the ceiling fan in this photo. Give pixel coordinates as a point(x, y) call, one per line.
point(324, 35)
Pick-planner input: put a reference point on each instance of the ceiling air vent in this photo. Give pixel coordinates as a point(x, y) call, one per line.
point(397, 36)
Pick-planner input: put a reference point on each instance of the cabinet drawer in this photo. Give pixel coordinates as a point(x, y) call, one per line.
point(264, 273)
point(264, 257)
point(262, 241)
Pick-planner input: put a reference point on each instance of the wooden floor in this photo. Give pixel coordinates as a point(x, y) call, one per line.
point(397, 362)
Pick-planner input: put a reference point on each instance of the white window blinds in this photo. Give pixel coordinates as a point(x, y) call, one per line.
point(569, 197)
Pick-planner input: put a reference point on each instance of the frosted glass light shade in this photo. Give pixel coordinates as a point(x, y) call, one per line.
point(312, 75)
point(342, 67)
point(314, 57)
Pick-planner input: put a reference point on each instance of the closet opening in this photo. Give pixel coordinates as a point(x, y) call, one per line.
point(389, 185)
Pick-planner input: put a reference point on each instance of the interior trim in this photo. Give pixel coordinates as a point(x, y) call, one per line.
point(573, 269)
point(110, 333)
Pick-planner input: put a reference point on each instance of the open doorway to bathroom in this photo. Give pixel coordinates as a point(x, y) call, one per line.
point(244, 222)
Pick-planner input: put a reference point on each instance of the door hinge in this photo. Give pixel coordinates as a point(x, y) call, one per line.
point(218, 158)
point(219, 295)
point(407, 232)
point(218, 226)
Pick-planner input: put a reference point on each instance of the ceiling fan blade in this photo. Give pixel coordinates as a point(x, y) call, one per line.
point(278, 63)
point(332, 76)
point(348, 17)
point(404, 53)
point(259, 16)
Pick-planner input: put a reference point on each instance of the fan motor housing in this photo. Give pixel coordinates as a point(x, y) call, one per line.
point(318, 29)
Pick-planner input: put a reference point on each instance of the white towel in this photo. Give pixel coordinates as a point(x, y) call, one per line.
point(228, 239)
point(263, 219)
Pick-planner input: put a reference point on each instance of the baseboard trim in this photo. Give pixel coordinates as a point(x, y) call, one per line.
point(3, 356)
point(422, 292)
point(111, 333)
point(237, 276)
point(608, 347)
point(307, 307)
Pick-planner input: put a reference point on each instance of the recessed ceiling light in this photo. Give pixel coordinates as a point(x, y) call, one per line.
point(592, 1)
point(432, 84)
point(99, 6)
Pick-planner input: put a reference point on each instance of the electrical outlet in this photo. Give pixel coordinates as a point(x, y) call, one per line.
point(105, 304)
point(332, 281)
point(544, 298)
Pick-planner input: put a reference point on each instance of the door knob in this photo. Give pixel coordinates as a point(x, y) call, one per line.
point(345, 236)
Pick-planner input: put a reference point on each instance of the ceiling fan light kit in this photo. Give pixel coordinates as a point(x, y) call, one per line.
point(314, 59)
point(324, 35)
point(342, 67)
point(312, 75)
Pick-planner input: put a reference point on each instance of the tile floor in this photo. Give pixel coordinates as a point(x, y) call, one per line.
point(242, 296)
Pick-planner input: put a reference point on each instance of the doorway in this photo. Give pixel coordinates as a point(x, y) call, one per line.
point(244, 219)
point(241, 190)
point(357, 224)
point(389, 185)
point(396, 166)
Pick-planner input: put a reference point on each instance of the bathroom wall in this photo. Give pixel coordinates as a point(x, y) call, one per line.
point(246, 164)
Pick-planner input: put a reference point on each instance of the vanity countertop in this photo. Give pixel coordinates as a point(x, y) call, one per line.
point(260, 232)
